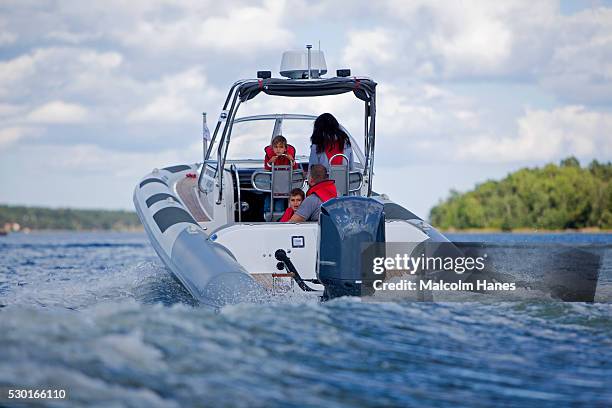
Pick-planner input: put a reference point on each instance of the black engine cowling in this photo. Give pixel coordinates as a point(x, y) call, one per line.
point(347, 226)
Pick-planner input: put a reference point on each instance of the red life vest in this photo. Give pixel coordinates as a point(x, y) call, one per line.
point(325, 190)
point(287, 215)
point(331, 151)
point(281, 161)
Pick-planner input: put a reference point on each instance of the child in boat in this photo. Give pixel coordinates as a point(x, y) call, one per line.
point(275, 153)
point(296, 198)
point(279, 153)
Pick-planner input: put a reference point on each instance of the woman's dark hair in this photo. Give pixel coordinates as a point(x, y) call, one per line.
point(326, 132)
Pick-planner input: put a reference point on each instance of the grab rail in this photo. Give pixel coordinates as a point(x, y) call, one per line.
point(348, 163)
point(239, 201)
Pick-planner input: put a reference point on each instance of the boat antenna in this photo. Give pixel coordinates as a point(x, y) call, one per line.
point(205, 136)
point(309, 46)
point(318, 70)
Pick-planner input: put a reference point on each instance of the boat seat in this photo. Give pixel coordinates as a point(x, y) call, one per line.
point(278, 182)
point(355, 181)
point(340, 174)
point(346, 181)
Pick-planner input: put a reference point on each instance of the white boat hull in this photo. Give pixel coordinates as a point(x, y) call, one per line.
point(217, 260)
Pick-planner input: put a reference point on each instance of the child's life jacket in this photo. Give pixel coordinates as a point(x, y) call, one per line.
point(282, 160)
point(287, 215)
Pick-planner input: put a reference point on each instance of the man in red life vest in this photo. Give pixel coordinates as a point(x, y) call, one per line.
point(321, 190)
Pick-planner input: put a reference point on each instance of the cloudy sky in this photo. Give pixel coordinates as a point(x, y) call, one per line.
point(95, 94)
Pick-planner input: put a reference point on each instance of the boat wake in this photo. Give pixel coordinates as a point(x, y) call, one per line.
point(112, 327)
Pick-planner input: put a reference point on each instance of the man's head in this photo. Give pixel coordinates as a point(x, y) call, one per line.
point(318, 173)
point(296, 198)
point(279, 145)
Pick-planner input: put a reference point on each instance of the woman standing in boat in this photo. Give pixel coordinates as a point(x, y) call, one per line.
point(327, 140)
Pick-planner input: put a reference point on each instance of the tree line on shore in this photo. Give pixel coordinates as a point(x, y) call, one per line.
point(553, 197)
point(38, 218)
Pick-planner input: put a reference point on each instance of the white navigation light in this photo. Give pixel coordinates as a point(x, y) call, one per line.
point(294, 64)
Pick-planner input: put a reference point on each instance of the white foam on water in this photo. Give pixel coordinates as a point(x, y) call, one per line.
point(84, 288)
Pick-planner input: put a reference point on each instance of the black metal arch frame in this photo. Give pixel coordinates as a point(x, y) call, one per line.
point(241, 91)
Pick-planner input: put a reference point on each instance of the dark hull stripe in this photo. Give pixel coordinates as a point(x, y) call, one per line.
point(152, 180)
point(176, 169)
point(167, 217)
point(158, 197)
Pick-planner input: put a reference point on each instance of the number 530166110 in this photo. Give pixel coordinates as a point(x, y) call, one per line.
point(36, 394)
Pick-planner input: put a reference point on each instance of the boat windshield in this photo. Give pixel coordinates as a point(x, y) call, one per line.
point(250, 135)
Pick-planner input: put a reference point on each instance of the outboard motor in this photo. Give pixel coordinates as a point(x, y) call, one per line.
point(347, 228)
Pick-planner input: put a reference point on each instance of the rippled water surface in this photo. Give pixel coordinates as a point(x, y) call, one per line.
point(99, 316)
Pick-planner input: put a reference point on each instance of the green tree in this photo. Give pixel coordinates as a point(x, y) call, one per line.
point(551, 197)
point(570, 162)
point(68, 219)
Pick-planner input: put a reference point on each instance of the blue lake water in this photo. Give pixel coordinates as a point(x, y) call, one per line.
point(98, 315)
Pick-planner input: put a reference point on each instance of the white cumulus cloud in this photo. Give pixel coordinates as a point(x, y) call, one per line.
point(59, 112)
point(547, 136)
point(10, 135)
point(241, 30)
point(369, 48)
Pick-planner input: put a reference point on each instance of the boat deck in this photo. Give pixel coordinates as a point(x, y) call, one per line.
point(188, 192)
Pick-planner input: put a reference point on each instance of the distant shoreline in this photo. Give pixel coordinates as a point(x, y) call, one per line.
point(51, 231)
point(40, 219)
point(28, 219)
point(445, 231)
point(526, 231)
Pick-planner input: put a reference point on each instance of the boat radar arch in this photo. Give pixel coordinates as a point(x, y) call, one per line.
point(294, 64)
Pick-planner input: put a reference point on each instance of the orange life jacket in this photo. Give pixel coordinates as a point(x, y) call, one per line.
point(281, 161)
point(287, 215)
point(325, 190)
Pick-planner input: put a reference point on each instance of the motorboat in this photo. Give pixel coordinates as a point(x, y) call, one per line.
point(206, 220)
